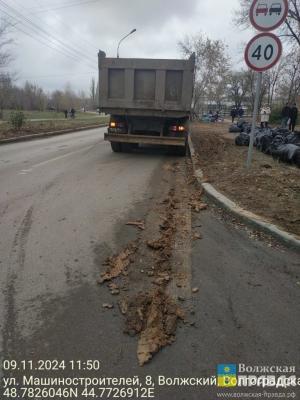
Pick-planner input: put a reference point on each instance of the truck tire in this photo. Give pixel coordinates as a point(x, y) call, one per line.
point(126, 147)
point(179, 150)
point(116, 147)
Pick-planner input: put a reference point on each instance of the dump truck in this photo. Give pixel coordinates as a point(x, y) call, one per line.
point(148, 100)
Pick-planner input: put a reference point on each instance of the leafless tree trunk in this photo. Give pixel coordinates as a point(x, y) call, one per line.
point(93, 92)
point(5, 41)
point(5, 58)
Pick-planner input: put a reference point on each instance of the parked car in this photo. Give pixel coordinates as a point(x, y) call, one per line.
point(275, 9)
point(262, 8)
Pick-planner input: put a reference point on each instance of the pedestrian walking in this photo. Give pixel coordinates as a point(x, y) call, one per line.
point(66, 113)
point(265, 116)
point(233, 114)
point(285, 115)
point(72, 113)
point(293, 117)
point(241, 112)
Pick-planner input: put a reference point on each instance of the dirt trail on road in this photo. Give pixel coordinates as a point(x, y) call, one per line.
point(152, 276)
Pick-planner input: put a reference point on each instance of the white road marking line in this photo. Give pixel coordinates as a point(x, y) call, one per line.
point(59, 157)
point(24, 171)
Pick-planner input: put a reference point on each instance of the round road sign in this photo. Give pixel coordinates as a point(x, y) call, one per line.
point(263, 52)
point(267, 15)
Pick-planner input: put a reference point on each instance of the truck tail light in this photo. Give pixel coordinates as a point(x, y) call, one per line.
point(114, 124)
point(177, 128)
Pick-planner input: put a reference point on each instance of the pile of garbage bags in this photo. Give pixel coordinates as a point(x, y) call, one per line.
point(280, 143)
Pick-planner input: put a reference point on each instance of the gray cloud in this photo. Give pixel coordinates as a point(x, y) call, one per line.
point(86, 28)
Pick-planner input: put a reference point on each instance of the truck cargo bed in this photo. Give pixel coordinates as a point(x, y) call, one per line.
point(146, 87)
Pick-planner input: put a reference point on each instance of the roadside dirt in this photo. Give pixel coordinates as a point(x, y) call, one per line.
point(270, 189)
point(151, 277)
point(6, 131)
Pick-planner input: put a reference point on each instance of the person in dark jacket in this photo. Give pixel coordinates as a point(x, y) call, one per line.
point(293, 117)
point(285, 115)
point(241, 112)
point(233, 114)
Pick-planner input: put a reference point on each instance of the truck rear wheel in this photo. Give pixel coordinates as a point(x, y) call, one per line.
point(116, 147)
point(129, 147)
point(181, 151)
point(178, 150)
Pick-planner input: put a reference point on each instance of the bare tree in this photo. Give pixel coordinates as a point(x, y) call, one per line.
point(5, 41)
point(291, 28)
point(289, 86)
point(238, 87)
point(272, 79)
point(5, 92)
point(57, 100)
point(212, 68)
point(5, 58)
point(245, 88)
point(93, 93)
point(293, 21)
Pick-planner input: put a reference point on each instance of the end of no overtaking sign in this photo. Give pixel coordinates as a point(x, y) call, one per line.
point(267, 15)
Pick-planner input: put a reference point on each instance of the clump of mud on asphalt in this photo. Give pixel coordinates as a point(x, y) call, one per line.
point(153, 316)
point(196, 202)
point(163, 246)
point(117, 265)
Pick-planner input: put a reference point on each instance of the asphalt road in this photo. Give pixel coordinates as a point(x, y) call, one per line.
point(64, 202)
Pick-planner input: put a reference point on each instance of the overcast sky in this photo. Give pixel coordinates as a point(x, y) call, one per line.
point(78, 28)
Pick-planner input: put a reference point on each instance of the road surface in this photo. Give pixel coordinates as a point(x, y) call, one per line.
point(64, 202)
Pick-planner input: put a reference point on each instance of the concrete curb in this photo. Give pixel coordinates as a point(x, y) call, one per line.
point(47, 134)
point(248, 217)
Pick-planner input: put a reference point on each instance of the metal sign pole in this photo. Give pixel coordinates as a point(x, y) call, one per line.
point(254, 118)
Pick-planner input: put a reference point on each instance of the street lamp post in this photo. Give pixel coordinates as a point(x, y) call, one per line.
point(133, 30)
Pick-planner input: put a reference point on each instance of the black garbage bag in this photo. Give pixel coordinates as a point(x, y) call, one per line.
point(248, 128)
point(281, 131)
point(241, 123)
point(234, 129)
point(293, 138)
point(296, 157)
point(286, 152)
point(266, 142)
point(263, 141)
point(242, 140)
point(278, 140)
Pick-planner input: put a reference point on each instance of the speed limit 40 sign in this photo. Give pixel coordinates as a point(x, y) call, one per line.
point(263, 52)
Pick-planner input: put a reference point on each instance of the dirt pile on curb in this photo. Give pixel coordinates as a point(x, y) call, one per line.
point(269, 189)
